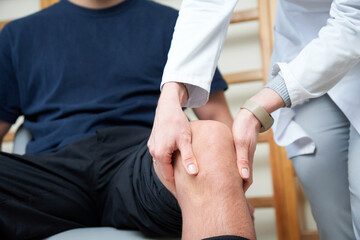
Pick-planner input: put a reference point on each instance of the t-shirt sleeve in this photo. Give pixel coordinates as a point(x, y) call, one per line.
point(218, 82)
point(9, 91)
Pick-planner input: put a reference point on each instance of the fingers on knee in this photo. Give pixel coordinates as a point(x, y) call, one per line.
point(215, 153)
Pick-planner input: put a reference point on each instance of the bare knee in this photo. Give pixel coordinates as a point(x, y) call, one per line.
point(210, 134)
point(215, 154)
point(213, 201)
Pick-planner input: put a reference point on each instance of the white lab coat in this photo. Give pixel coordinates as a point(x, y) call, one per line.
point(317, 44)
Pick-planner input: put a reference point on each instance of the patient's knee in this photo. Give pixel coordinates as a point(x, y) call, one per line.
point(215, 153)
point(213, 147)
point(210, 134)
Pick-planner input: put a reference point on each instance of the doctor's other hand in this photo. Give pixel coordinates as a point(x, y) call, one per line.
point(246, 128)
point(171, 131)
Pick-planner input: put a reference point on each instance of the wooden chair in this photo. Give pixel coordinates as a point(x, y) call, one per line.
point(285, 199)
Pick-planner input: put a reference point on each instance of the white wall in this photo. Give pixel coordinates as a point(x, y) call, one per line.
point(10, 9)
point(241, 52)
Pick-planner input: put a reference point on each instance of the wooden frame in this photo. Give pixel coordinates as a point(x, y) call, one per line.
point(242, 77)
point(47, 3)
point(2, 24)
point(245, 16)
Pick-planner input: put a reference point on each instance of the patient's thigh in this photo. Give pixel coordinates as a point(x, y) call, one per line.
point(324, 174)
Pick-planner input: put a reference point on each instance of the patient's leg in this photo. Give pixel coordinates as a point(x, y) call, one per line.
point(213, 202)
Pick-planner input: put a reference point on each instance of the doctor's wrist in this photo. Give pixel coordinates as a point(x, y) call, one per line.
point(249, 117)
point(279, 86)
point(175, 92)
point(268, 99)
point(265, 119)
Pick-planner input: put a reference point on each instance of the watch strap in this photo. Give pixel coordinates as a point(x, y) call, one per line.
point(260, 113)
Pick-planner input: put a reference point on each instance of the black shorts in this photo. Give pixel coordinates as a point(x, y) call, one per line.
point(104, 180)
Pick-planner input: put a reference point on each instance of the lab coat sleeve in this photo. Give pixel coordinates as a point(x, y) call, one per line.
point(196, 45)
point(326, 59)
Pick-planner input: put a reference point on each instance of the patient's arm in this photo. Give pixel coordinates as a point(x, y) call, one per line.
point(4, 128)
point(216, 109)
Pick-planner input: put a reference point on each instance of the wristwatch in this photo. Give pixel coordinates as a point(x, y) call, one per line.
point(260, 113)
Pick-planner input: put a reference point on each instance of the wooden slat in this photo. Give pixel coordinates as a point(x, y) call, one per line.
point(262, 138)
point(266, 36)
point(9, 137)
point(2, 24)
point(261, 202)
point(242, 77)
point(47, 3)
point(273, 5)
point(245, 16)
point(310, 235)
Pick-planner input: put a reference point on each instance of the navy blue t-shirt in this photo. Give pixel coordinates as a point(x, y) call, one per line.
point(71, 70)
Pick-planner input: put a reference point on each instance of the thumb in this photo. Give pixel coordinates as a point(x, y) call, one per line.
point(242, 156)
point(188, 158)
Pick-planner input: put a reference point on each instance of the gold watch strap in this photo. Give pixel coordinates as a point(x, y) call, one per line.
point(265, 119)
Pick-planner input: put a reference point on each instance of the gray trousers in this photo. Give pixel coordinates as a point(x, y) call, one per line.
point(331, 176)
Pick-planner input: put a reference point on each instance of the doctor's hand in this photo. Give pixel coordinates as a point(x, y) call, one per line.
point(246, 128)
point(171, 132)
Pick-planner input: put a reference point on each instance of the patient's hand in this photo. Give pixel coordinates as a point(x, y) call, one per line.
point(171, 132)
